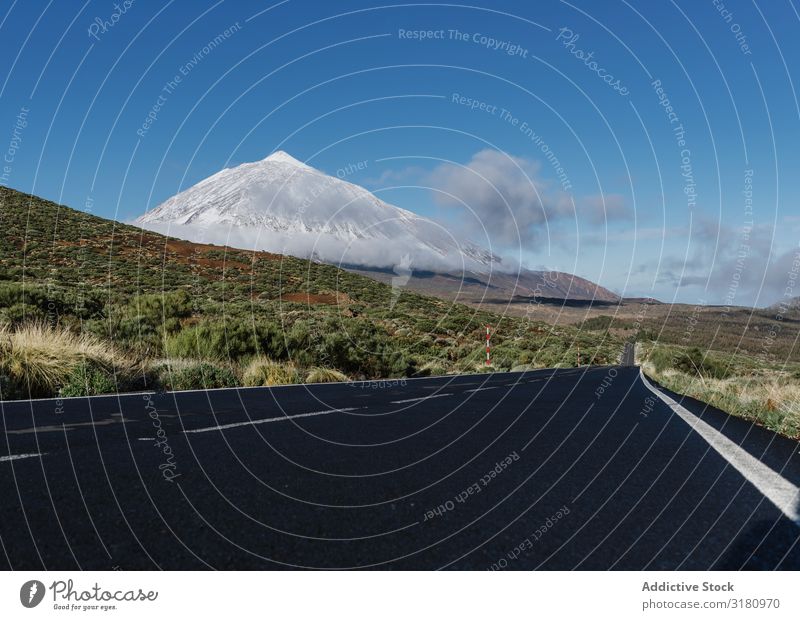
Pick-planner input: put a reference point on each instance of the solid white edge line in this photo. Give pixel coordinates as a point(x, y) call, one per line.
point(777, 489)
point(15, 457)
point(268, 420)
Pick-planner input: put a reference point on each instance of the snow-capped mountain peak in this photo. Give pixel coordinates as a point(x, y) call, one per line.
point(284, 158)
point(281, 204)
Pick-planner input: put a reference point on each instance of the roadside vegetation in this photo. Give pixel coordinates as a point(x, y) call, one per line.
point(767, 394)
point(90, 306)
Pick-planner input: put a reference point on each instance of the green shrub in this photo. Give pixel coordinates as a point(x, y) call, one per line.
point(302, 344)
point(691, 361)
point(224, 340)
point(154, 309)
point(88, 380)
point(196, 376)
point(52, 302)
point(19, 313)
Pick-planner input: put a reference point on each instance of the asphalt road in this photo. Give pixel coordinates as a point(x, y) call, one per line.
point(540, 470)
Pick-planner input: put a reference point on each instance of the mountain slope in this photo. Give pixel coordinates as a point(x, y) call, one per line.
point(283, 205)
point(159, 298)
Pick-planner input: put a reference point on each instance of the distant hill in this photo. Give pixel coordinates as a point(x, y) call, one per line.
point(791, 306)
point(499, 288)
point(642, 300)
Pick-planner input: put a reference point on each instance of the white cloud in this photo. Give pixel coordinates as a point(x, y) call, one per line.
point(734, 266)
point(506, 200)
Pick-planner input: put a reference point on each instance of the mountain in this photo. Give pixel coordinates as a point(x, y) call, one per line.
point(282, 205)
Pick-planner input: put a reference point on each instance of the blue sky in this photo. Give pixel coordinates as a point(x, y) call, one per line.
point(586, 172)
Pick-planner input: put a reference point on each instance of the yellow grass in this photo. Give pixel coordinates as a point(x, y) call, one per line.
point(325, 375)
point(264, 371)
point(39, 358)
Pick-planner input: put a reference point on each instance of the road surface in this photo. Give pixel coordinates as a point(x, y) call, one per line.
point(581, 468)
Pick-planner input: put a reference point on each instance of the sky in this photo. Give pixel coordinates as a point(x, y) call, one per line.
point(647, 146)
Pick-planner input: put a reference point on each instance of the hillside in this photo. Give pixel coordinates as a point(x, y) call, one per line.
point(166, 305)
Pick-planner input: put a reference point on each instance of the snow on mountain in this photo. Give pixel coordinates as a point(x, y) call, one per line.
point(282, 205)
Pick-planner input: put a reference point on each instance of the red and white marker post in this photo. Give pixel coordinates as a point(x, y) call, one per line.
point(488, 348)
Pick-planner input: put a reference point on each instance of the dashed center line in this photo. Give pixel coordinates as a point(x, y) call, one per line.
point(16, 457)
point(414, 400)
point(493, 387)
point(282, 418)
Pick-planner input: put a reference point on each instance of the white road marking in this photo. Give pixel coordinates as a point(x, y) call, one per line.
point(16, 457)
point(268, 420)
point(770, 484)
point(493, 387)
point(414, 400)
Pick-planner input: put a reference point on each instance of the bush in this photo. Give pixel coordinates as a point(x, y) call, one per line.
point(52, 302)
point(225, 340)
point(20, 313)
point(196, 376)
point(691, 361)
point(361, 347)
point(262, 371)
point(88, 380)
point(155, 308)
point(302, 344)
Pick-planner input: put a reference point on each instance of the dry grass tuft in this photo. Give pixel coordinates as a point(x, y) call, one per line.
point(39, 359)
point(325, 375)
point(262, 371)
point(433, 368)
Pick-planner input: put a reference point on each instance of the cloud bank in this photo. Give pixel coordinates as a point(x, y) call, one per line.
point(325, 247)
point(735, 266)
